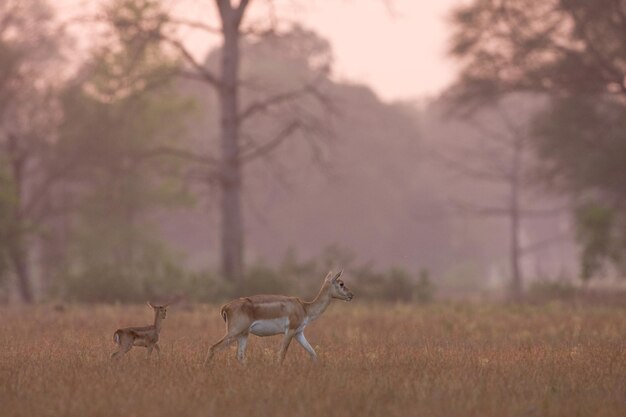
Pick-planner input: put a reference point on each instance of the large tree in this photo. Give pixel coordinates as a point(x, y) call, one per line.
point(582, 144)
point(123, 116)
point(497, 155)
point(574, 51)
point(29, 112)
point(561, 47)
point(226, 81)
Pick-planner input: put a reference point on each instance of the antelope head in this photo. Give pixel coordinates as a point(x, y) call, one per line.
point(338, 289)
point(161, 311)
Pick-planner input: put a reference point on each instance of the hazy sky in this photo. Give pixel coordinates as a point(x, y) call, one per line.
point(399, 50)
point(401, 54)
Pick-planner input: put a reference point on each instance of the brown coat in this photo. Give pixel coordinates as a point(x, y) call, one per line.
point(268, 315)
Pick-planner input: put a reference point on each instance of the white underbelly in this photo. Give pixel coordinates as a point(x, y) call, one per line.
point(269, 327)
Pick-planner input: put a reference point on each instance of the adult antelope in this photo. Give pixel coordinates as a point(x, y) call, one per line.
point(268, 315)
point(147, 336)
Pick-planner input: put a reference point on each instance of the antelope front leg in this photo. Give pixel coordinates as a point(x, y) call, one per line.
point(149, 349)
point(305, 344)
point(158, 349)
point(286, 341)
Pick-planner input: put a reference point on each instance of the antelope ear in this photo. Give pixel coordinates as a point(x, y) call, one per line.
point(336, 276)
point(328, 276)
point(150, 304)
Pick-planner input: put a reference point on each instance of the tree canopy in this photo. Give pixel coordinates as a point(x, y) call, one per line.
point(561, 47)
point(574, 51)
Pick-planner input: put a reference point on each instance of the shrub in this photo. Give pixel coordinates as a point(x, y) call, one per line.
point(544, 291)
point(261, 279)
point(424, 291)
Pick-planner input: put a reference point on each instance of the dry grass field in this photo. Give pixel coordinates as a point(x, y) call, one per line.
point(439, 360)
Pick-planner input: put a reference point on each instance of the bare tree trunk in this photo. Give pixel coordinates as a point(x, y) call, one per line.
point(516, 273)
point(18, 248)
point(231, 178)
point(19, 258)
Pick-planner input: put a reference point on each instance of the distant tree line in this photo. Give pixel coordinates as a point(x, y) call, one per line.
point(96, 155)
point(91, 157)
point(574, 53)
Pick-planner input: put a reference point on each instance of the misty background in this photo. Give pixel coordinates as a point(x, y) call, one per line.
point(154, 149)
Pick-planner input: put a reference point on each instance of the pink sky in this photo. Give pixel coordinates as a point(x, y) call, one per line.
point(400, 53)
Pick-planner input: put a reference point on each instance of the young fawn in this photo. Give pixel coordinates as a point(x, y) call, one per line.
point(147, 336)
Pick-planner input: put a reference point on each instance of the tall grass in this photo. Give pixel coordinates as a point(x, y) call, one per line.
point(383, 360)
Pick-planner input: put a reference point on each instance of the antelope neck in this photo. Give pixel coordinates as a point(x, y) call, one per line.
point(157, 320)
point(316, 307)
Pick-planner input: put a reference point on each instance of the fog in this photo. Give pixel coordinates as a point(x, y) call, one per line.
point(168, 149)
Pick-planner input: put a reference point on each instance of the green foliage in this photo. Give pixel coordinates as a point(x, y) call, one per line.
point(572, 50)
point(29, 61)
point(546, 291)
point(398, 286)
point(288, 59)
point(564, 46)
point(600, 244)
point(582, 143)
point(424, 291)
point(121, 108)
point(394, 285)
point(261, 279)
point(131, 58)
point(154, 275)
point(303, 278)
point(464, 277)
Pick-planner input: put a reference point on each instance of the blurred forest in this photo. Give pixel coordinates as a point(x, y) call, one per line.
point(136, 171)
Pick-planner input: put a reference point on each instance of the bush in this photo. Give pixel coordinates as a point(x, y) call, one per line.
point(155, 275)
point(111, 283)
point(424, 291)
point(261, 279)
point(396, 285)
point(544, 291)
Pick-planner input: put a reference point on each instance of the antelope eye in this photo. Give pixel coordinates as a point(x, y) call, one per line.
point(341, 284)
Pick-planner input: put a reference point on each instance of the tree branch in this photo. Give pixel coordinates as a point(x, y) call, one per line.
point(203, 73)
point(473, 172)
point(195, 25)
point(239, 11)
point(268, 147)
point(173, 152)
point(263, 105)
point(603, 62)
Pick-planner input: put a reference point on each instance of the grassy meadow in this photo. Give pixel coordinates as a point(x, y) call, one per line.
point(383, 360)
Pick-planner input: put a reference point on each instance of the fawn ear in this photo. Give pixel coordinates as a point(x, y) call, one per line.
point(336, 276)
point(328, 276)
point(150, 304)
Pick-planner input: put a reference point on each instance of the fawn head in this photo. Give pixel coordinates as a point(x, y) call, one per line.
point(338, 289)
point(161, 311)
